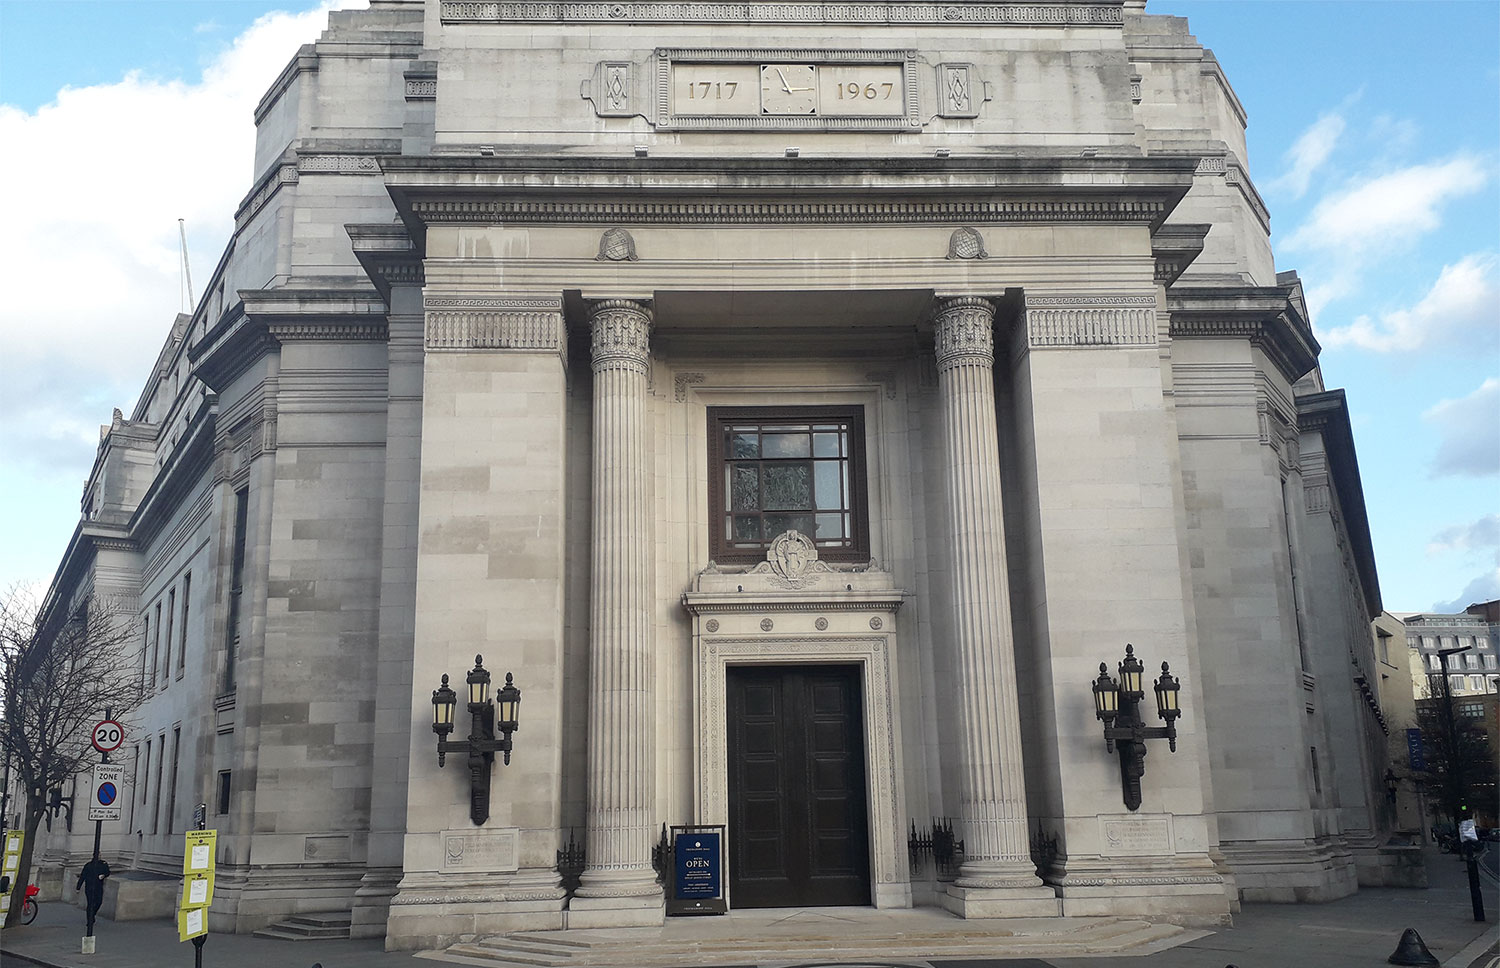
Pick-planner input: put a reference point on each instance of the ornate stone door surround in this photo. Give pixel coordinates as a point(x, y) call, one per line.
point(816, 614)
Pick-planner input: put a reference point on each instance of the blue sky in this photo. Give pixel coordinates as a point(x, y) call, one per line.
point(1374, 138)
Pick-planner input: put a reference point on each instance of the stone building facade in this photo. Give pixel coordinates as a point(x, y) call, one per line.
point(840, 381)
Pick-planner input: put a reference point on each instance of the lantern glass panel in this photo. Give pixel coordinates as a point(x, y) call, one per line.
point(442, 712)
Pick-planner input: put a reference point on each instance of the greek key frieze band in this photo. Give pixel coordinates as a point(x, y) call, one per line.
point(620, 335)
point(964, 332)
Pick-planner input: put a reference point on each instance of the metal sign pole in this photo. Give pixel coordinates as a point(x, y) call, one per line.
point(109, 713)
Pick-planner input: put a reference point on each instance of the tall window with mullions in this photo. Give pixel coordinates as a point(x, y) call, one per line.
point(783, 469)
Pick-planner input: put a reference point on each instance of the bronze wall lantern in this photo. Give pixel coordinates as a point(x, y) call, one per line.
point(1117, 705)
point(502, 716)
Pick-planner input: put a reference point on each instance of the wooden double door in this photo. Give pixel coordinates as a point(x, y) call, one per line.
point(798, 831)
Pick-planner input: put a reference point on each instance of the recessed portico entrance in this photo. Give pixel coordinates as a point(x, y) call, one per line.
point(798, 834)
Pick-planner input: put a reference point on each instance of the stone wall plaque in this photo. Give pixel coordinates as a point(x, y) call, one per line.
point(325, 847)
point(785, 88)
point(491, 849)
point(1135, 836)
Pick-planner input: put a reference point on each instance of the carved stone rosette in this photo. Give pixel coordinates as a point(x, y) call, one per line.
point(965, 327)
point(992, 795)
point(622, 714)
point(621, 336)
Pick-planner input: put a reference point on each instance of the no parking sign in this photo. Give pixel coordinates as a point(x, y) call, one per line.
point(108, 795)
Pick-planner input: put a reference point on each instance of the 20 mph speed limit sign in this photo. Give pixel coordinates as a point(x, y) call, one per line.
point(108, 736)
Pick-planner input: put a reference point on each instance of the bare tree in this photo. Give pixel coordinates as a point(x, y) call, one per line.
point(61, 667)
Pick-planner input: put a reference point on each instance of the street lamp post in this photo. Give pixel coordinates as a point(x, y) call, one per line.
point(1117, 705)
point(1457, 786)
point(481, 745)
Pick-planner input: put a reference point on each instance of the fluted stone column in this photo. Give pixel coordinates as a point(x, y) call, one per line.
point(998, 877)
point(619, 886)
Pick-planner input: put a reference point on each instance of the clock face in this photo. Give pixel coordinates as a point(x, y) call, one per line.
point(788, 89)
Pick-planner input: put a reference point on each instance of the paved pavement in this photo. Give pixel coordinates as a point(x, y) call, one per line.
point(1356, 932)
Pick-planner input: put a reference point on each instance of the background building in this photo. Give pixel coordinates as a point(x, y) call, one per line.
point(801, 402)
point(1472, 673)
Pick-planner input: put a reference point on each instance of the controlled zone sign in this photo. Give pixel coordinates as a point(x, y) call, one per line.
point(108, 736)
point(109, 780)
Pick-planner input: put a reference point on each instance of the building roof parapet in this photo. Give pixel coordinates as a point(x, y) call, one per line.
point(903, 13)
point(1328, 413)
point(266, 318)
point(1266, 315)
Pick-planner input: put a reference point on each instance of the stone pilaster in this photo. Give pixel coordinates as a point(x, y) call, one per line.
point(619, 886)
point(998, 878)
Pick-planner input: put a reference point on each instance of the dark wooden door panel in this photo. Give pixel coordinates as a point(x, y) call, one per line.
point(797, 828)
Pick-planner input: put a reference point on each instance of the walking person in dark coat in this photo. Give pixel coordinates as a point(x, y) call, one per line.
point(91, 880)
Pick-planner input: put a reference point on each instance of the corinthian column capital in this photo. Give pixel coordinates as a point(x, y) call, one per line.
point(965, 332)
point(621, 335)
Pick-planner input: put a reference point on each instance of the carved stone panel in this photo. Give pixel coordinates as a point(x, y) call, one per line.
point(960, 91)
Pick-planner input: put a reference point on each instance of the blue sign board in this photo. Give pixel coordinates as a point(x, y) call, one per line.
point(697, 859)
point(1414, 750)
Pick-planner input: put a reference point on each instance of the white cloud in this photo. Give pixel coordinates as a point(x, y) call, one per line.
point(1387, 211)
point(1465, 298)
point(1485, 588)
point(1469, 433)
point(1484, 533)
point(1308, 153)
point(99, 178)
point(97, 181)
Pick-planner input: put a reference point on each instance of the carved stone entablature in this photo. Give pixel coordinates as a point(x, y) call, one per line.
point(1316, 496)
point(1212, 165)
point(751, 211)
point(285, 174)
point(1174, 247)
point(495, 323)
point(616, 245)
point(620, 335)
point(966, 243)
point(1266, 316)
point(882, 12)
point(964, 332)
point(338, 165)
point(611, 89)
point(421, 80)
point(1135, 88)
point(792, 562)
point(1123, 319)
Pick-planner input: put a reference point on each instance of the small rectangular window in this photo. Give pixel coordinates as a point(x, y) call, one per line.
point(1317, 776)
point(1471, 661)
point(172, 790)
point(146, 773)
point(145, 647)
point(1489, 661)
point(187, 587)
point(236, 585)
point(161, 762)
point(222, 801)
point(156, 645)
point(166, 665)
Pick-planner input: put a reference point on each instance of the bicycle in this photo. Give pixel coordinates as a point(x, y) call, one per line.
point(29, 906)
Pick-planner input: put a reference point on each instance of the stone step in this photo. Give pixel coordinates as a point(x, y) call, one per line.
point(548, 948)
point(316, 926)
